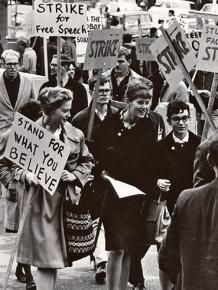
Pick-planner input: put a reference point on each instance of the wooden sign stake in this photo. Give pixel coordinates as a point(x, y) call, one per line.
point(59, 61)
point(210, 105)
point(94, 102)
point(188, 78)
point(20, 230)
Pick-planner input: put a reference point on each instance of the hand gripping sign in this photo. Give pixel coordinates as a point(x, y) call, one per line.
point(102, 50)
point(60, 19)
point(208, 51)
point(36, 150)
point(165, 58)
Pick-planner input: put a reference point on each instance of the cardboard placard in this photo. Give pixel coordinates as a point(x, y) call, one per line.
point(194, 39)
point(102, 50)
point(94, 22)
point(208, 51)
point(143, 51)
point(165, 58)
point(36, 150)
point(60, 19)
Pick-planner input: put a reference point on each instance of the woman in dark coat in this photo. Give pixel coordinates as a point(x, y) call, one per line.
point(120, 149)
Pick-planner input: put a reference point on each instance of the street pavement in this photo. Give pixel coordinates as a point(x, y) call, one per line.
point(79, 277)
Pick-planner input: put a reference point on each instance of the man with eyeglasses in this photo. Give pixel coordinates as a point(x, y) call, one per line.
point(81, 120)
point(15, 90)
point(80, 99)
point(174, 155)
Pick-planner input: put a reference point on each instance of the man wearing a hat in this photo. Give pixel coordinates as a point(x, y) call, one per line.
point(15, 90)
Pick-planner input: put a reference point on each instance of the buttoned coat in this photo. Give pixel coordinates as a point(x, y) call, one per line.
point(174, 161)
point(42, 242)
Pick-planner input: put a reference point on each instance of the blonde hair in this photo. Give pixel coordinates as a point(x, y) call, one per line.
point(52, 98)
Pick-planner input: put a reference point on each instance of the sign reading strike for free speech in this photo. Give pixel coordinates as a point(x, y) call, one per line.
point(60, 19)
point(165, 57)
point(143, 48)
point(208, 51)
point(36, 150)
point(102, 50)
point(94, 22)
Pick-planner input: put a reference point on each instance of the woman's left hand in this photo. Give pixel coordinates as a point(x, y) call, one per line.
point(68, 176)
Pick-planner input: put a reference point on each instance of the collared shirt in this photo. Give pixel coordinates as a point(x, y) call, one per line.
point(181, 141)
point(101, 116)
point(12, 87)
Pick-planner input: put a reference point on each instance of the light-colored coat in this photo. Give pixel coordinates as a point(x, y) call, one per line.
point(42, 242)
point(13, 209)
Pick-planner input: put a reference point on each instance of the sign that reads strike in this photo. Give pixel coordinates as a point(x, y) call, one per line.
point(36, 150)
point(143, 48)
point(165, 57)
point(60, 19)
point(208, 51)
point(102, 50)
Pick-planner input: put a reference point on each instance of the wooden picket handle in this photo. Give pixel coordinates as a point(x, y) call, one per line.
point(94, 102)
point(188, 78)
point(210, 105)
point(20, 231)
point(59, 61)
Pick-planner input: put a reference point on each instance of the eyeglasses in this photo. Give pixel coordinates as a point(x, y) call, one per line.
point(53, 64)
point(184, 119)
point(10, 64)
point(104, 91)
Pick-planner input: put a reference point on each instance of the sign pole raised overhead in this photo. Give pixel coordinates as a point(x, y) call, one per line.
point(101, 53)
point(187, 77)
point(210, 105)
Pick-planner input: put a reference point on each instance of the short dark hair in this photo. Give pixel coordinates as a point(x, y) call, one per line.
point(93, 81)
point(31, 109)
point(172, 12)
point(213, 151)
point(126, 52)
point(175, 107)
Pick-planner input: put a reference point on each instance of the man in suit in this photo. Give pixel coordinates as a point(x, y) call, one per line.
point(188, 255)
point(174, 155)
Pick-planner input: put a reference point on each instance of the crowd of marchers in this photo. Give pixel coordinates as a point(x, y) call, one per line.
point(130, 143)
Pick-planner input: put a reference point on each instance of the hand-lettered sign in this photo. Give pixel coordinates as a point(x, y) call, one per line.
point(208, 51)
point(60, 19)
point(36, 150)
point(102, 50)
point(194, 38)
point(94, 22)
point(165, 57)
point(142, 48)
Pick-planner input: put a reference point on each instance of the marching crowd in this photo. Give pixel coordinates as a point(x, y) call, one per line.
point(129, 143)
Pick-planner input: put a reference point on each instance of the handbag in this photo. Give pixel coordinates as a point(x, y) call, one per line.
point(78, 231)
point(156, 223)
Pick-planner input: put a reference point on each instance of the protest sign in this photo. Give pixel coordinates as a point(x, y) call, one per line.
point(166, 59)
point(36, 150)
point(204, 15)
point(102, 50)
point(60, 19)
point(208, 51)
point(194, 39)
point(143, 48)
point(94, 22)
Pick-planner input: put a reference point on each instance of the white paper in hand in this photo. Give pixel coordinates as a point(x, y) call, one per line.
point(123, 189)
